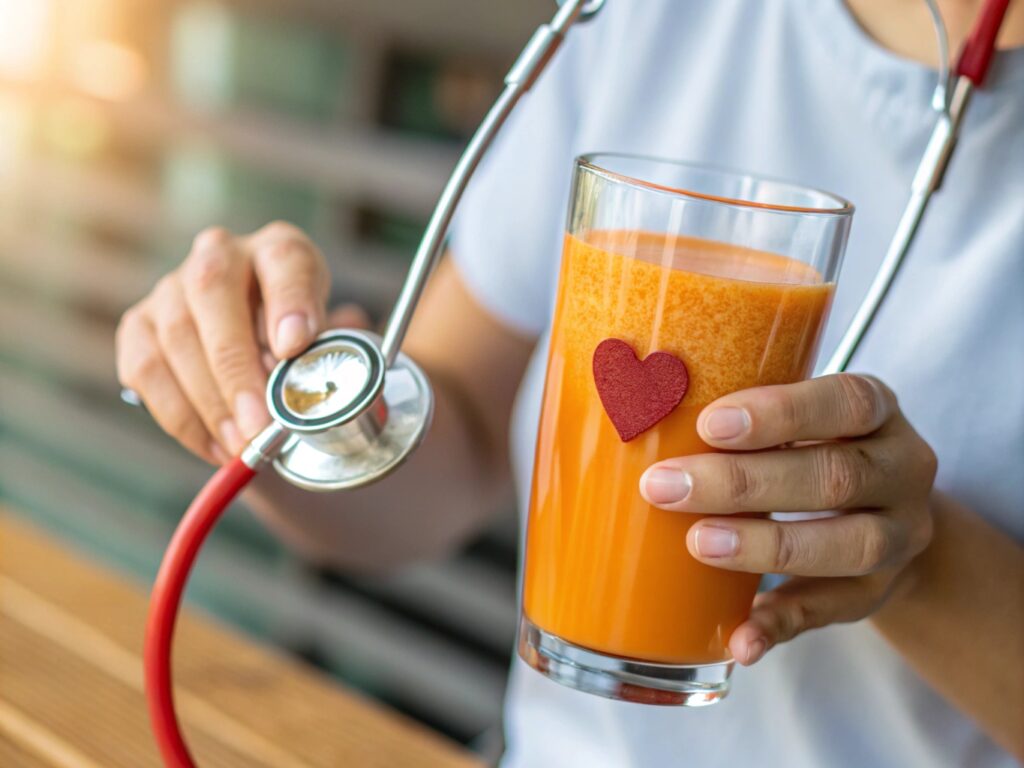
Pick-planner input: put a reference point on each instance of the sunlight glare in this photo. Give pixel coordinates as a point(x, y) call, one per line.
point(108, 70)
point(23, 36)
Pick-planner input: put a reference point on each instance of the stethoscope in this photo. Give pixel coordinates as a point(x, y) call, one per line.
point(351, 407)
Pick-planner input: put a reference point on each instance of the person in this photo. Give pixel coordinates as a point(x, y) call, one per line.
point(918, 610)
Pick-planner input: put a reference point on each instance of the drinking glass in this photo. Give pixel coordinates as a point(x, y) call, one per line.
point(732, 275)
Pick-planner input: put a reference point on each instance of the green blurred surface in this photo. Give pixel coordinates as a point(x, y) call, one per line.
point(394, 232)
point(205, 184)
point(222, 58)
point(411, 102)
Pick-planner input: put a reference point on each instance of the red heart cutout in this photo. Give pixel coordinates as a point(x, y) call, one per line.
point(637, 394)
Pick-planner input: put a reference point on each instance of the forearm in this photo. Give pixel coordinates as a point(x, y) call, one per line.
point(958, 619)
point(438, 498)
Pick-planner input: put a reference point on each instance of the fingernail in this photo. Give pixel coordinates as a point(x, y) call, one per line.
point(666, 486)
point(251, 414)
point(218, 453)
point(230, 435)
point(756, 650)
point(726, 423)
point(712, 541)
point(293, 331)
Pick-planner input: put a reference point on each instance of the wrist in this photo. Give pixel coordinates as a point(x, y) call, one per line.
point(909, 581)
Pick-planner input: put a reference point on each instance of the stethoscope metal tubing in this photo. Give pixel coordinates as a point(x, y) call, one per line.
point(927, 180)
point(590, 9)
point(265, 446)
point(520, 78)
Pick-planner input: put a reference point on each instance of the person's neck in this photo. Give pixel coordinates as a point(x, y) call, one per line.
point(904, 26)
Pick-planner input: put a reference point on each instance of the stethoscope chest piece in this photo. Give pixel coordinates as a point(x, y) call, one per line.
point(350, 418)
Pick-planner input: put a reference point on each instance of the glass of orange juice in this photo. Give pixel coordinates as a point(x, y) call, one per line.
point(679, 284)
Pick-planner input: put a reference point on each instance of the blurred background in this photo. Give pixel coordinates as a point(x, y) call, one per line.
point(126, 126)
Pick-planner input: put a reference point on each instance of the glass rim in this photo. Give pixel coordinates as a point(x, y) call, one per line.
point(591, 161)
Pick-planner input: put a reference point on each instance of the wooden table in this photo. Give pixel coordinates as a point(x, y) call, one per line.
point(71, 683)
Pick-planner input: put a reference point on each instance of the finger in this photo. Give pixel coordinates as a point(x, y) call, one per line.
point(823, 476)
point(183, 351)
point(266, 356)
point(349, 316)
point(294, 284)
point(269, 361)
point(803, 604)
point(844, 405)
point(217, 282)
point(141, 367)
point(261, 328)
point(846, 545)
point(344, 316)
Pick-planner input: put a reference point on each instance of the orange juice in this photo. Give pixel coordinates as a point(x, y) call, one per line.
point(604, 569)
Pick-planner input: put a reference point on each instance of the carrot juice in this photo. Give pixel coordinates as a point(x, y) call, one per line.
point(605, 570)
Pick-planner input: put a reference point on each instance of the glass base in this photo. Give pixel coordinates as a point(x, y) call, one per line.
point(620, 678)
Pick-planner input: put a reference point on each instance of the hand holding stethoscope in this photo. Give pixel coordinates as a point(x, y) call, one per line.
point(351, 408)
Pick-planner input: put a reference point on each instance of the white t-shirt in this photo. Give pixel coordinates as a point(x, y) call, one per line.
point(794, 89)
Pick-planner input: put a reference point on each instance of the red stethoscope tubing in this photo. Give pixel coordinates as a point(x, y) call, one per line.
point(195, 526)
point(977, 53)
